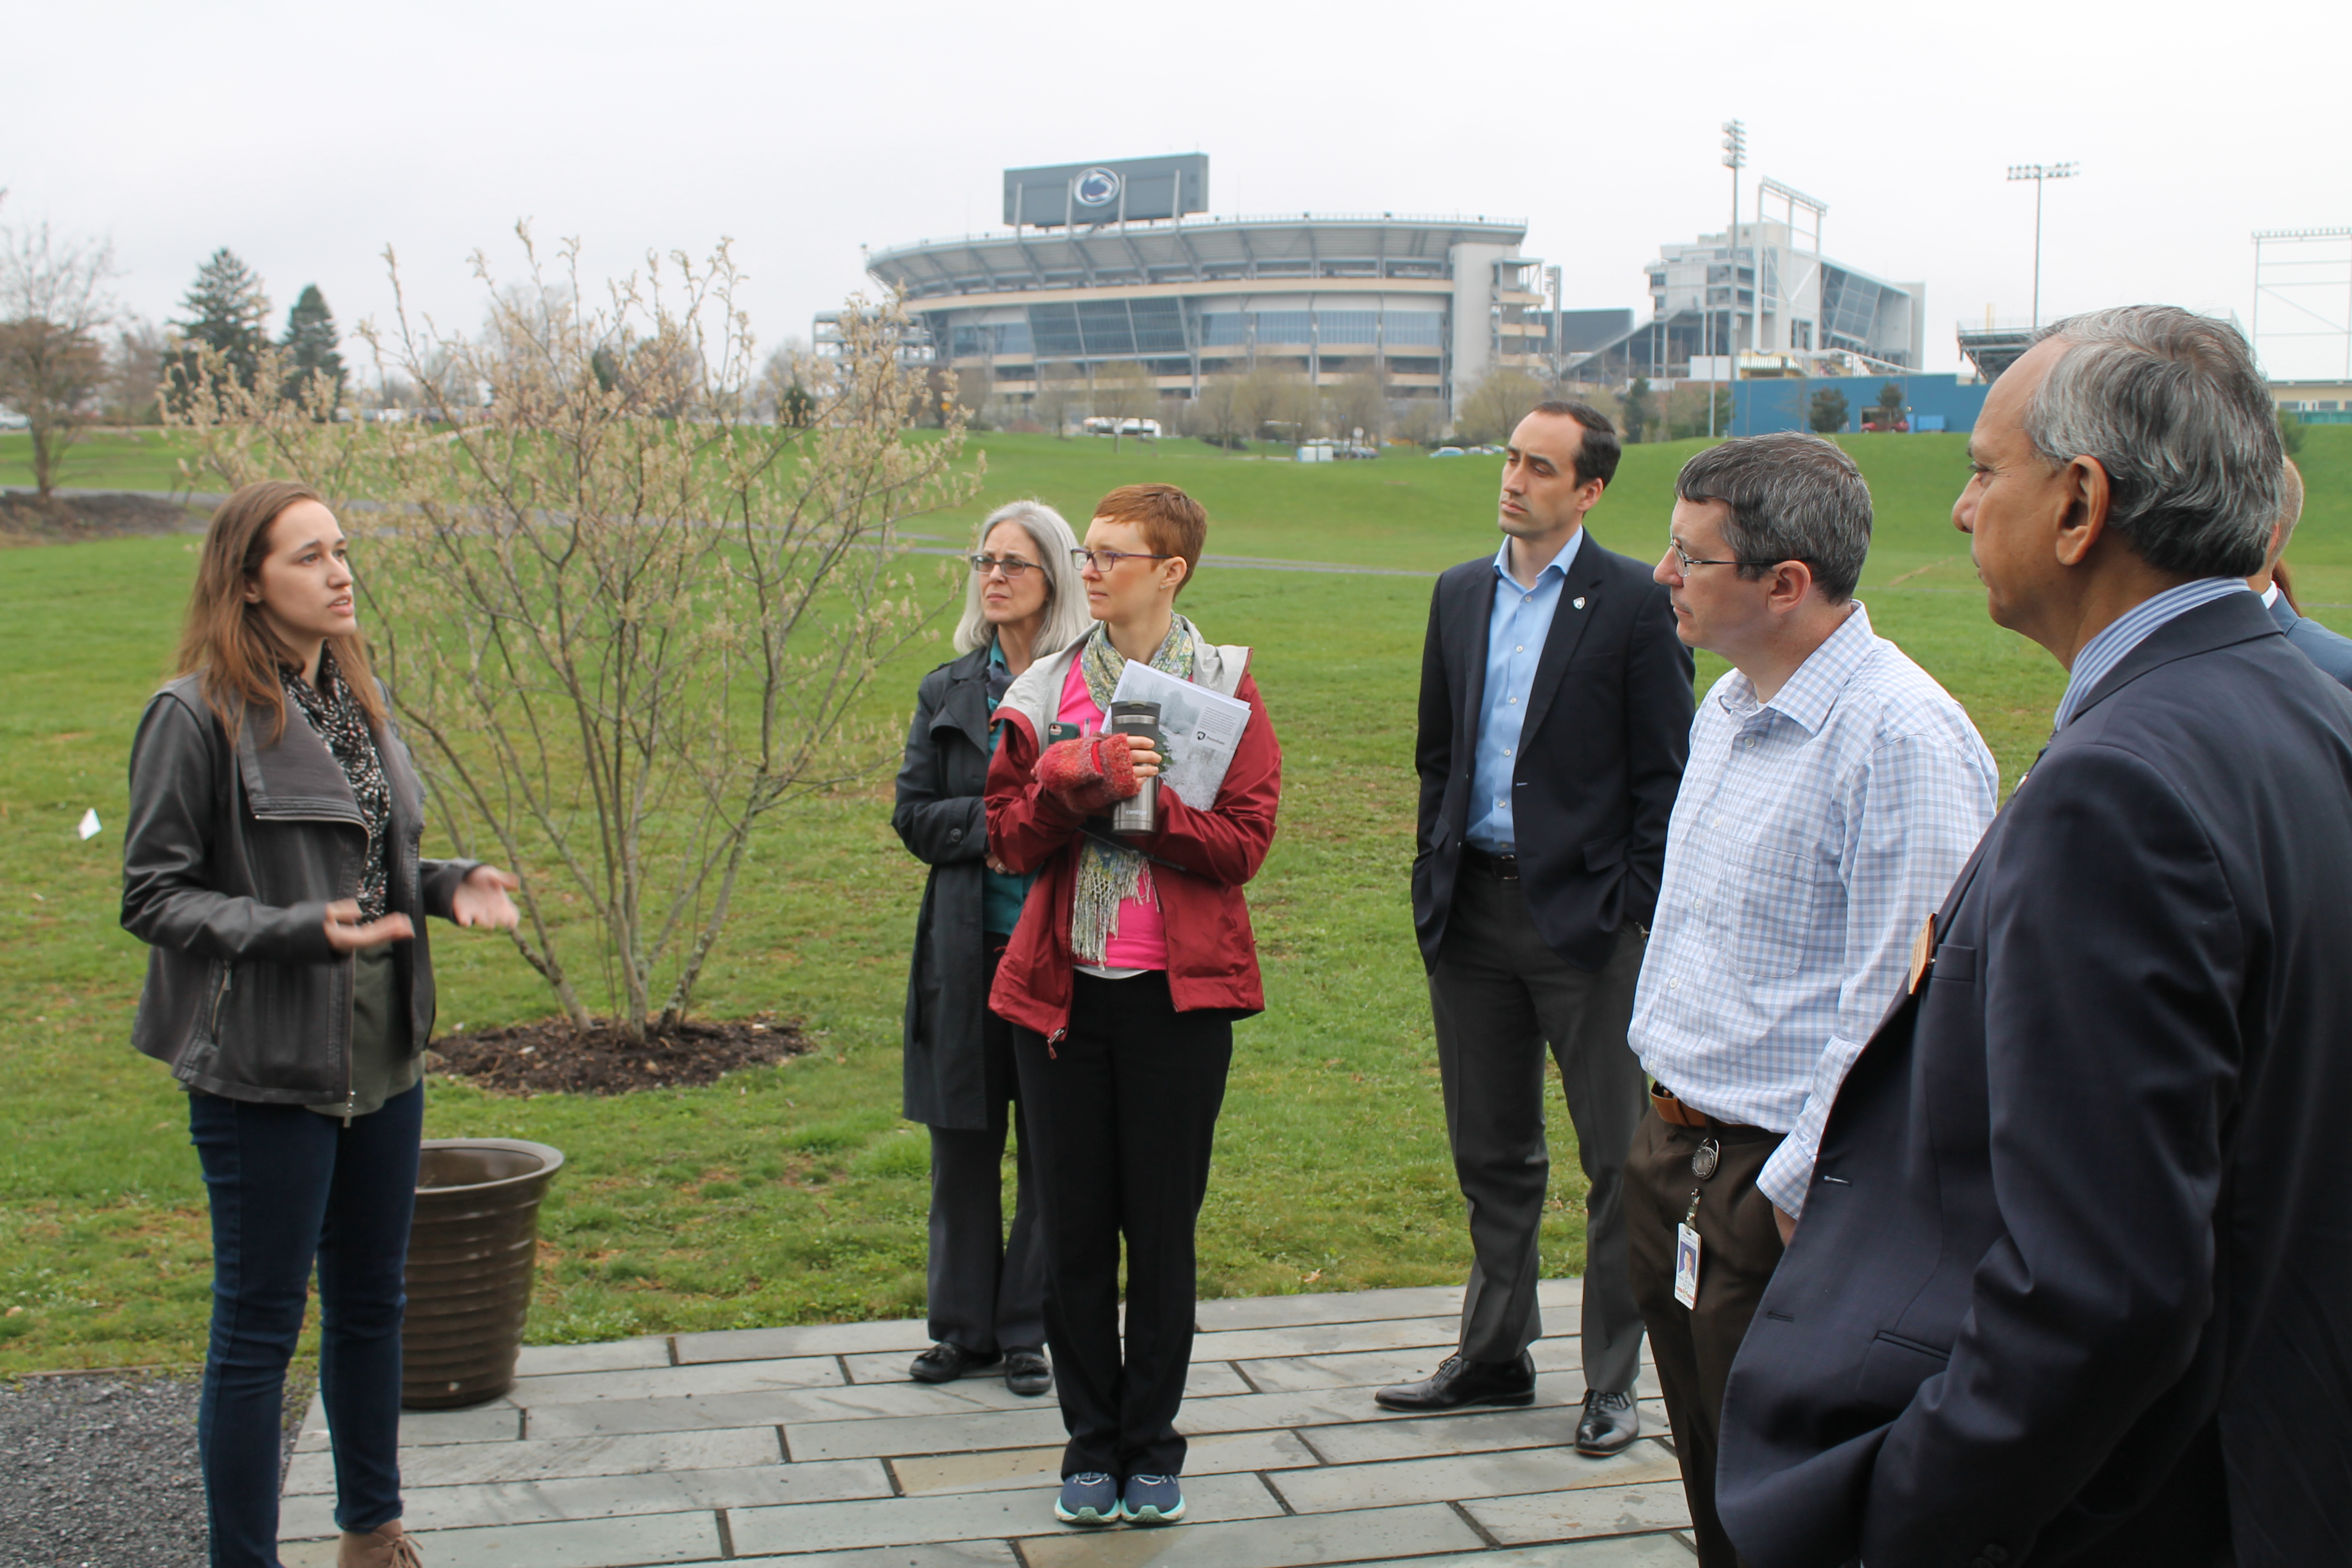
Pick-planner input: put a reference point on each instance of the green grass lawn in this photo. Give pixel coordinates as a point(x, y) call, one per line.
point(795, 1193)
point(110, 460)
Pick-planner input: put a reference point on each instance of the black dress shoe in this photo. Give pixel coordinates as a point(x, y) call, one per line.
point(1458, 1382)
point(946, 1362)
point(1610, 1421)
point(1026, 1370)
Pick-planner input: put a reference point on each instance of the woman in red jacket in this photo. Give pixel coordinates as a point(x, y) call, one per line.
point(1132, 959)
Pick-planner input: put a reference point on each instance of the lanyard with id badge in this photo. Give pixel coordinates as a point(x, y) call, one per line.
point(1704, 1160)
point(1710, 1153)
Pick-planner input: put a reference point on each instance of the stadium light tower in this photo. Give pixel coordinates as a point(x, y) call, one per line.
point(1735, 158)
point(2040, 175)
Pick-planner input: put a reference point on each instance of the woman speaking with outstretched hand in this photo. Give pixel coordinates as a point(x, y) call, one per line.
point(272, 866)
point(1131, 960)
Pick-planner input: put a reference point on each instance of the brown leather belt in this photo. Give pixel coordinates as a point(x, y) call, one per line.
point(1502, 868)
point(1669, 1109)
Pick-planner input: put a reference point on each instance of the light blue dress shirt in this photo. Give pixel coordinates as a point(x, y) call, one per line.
point(2127, 631)
point(1516, 630)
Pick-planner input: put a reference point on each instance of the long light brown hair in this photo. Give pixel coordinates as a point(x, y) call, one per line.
point(228, 642)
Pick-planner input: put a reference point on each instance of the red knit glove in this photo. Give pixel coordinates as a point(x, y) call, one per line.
point(1087, 774)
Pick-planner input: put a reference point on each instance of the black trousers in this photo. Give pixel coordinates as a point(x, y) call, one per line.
point(987, 1288)
point(1739, 1248)
point(1123, 1109)
point(1498, 994)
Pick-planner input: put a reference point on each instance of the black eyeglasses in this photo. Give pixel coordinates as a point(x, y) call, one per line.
point(1102, 561)
point(1690, 561)
point(1013, 566)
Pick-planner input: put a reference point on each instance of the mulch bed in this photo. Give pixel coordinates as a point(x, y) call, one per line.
point(67, 519)
point(547, 1057)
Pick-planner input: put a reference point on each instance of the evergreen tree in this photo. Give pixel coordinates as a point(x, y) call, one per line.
point(310, 343)
point(1635, 407)
point(797, 409)
point(1888, 415)
point(1829, 411)
point(227, 309)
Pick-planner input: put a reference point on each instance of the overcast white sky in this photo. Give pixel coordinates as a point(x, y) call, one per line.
point(306, 137)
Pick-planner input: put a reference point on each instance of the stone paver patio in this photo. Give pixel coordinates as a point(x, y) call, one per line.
point(810, 1447)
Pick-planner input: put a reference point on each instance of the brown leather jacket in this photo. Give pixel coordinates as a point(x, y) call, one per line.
point(229, 860)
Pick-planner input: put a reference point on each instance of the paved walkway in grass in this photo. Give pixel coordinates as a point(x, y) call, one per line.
point(811, 1448)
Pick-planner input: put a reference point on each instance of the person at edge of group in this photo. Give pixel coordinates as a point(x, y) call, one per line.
point(2331, 651)
point(2069, 1285)
point(270, 863)
point(987, 1290)
point(1833, 792)
point(1554, 715)
point(1131, 962)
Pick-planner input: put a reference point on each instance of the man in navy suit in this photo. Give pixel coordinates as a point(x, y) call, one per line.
point(2332, 651)
point(1554, 715)
point(2072, 1277)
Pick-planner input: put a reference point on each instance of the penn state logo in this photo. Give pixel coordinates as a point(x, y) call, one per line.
point(1096, 188)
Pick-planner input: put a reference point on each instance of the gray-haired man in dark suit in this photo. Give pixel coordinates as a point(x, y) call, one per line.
point(2070, 1285)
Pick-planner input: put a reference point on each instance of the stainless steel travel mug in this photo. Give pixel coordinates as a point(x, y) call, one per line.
point(1140, 811)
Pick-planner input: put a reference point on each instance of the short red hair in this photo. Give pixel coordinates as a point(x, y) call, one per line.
point(1173, 523)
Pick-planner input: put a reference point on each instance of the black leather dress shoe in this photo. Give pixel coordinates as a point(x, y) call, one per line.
point(1610, 1421)
point(946, 1362)
point(1458, 1382)
point(1026, 1372)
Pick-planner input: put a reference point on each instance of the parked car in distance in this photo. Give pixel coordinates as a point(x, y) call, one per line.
point(1447, 452)
point(1104, 425)
point(1332, 451)
point(12, 420)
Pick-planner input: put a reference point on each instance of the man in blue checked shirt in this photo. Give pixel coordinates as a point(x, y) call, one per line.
point(1833, 791)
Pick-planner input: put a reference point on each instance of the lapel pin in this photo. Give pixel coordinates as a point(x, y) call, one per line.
point(1578, 603)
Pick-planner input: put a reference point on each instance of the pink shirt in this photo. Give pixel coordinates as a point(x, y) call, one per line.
point(1142, 940)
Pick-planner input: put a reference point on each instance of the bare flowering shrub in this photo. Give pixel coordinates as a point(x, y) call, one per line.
point(54, 301)
point(622, 621)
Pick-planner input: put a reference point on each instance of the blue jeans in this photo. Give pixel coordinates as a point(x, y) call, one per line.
point(289, 1186)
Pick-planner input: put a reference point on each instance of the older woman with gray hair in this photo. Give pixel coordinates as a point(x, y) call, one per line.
point(987, 1292)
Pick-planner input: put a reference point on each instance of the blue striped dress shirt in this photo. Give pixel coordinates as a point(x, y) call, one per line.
point(1812, 836)
point(2127, 631)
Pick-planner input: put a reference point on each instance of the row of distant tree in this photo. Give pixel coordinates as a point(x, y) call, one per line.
point(71, 353)
point(227, 309)
point(1829, 410)
point(1282, 405)
point(1232, 409)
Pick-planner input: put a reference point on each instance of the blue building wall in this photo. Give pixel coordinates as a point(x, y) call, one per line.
point(1936, 402)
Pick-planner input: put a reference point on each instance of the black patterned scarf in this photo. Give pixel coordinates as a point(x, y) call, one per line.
point(340, 721)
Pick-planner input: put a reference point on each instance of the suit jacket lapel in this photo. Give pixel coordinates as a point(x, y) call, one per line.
point(1467, 620)
point(1580, 601)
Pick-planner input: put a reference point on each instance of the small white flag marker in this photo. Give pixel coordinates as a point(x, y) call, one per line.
point(89, 823)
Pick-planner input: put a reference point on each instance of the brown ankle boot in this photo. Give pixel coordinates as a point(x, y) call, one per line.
point(385, 1546)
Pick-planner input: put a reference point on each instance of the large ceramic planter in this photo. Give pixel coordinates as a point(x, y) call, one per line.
point(470, 1259)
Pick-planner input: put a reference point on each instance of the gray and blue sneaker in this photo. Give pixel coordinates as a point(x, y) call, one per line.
point(1152, 1499)
point(1087, 1498)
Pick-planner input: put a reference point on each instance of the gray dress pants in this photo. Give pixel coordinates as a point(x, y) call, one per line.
point(1499, 996)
